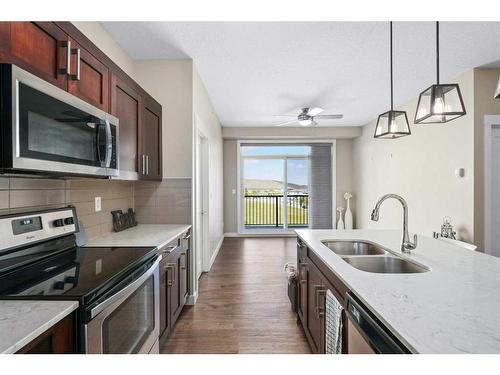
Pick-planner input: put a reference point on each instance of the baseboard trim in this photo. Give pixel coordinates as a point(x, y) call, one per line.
point(214, 255)
point(255, 235)
point(192, 298)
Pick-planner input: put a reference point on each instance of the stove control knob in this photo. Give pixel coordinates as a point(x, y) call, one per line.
point(58, 223)
point(69, 220)
point(59, 285)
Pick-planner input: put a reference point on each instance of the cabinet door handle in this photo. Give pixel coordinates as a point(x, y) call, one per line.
point(147, 164)
point(183, 267)
point(301, 266)
point(187, 236)
point(320, 307)
point(143, 164)
point(67, 44)
point(76, 77)
point(171, 266)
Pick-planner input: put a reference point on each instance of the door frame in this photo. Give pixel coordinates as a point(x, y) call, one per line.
point(239, 188)
point(490, 122)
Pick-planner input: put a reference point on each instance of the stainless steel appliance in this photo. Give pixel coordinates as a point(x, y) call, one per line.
point(117, 287)
point(366, 334)
point(46, 130)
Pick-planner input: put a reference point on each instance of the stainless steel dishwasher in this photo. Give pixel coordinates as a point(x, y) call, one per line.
point(366, 334)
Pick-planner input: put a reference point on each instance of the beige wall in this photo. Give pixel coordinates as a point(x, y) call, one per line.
point(344, 165)
point(102, 39)
point(31, 194)
point(291, 132)
point(207, 122)
point(485, 81)
point(420, 167)
point(170, 82)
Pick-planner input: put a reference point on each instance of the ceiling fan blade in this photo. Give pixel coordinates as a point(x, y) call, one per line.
point(284, 115)
point(286, 123)
point(315, 111)
point(329, 117)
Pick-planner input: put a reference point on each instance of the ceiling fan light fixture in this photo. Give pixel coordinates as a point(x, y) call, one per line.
point(305, 122)
point(439, 103)
point(392, 124)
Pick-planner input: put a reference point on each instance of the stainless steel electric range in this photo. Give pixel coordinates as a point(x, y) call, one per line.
point(117, 287)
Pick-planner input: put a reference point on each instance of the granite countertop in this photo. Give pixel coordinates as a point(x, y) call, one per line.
point(157, 235)
point(453, 308)
point(23, 321)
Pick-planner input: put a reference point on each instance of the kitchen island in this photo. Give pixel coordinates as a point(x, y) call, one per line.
point(451, 308)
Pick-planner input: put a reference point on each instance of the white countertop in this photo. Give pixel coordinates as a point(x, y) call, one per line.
point(157, 235)
point(23, 321)
point(453, 308)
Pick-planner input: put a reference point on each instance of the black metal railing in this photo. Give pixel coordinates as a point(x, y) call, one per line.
point(267, 210)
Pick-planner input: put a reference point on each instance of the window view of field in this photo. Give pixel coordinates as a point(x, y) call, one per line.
point(265, 201)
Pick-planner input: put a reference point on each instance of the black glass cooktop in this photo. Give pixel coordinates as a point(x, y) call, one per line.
point(75, 273)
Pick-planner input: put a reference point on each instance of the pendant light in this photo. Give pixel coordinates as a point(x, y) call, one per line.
point(392, 124)
point(439, 103)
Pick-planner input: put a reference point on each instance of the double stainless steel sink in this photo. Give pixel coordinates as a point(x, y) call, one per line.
point(369, 257)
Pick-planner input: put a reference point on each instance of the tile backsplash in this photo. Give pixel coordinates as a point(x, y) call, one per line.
point(30, 194)
point(163, 202)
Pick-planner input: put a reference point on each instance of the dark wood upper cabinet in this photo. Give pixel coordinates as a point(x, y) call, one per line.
point(89, 78)
point(126, 104)
point(40, 48)
point(150, 154)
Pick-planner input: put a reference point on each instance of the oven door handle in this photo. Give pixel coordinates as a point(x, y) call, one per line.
point(109, 144)
point(125, 292)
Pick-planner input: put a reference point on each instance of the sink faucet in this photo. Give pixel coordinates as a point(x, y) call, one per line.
point(406, 245)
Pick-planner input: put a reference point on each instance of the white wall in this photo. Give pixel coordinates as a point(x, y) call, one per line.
point(420, 167)
point(170, 82)
point(208, 123)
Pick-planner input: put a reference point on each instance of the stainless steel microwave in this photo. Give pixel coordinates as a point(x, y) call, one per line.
point(46, 130)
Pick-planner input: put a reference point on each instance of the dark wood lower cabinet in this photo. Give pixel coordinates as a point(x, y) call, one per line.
point(314, 282)
point(174, 283)
point(59, 339)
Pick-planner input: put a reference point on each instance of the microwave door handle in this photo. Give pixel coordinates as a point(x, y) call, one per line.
point(98, 143)
point(109, 144)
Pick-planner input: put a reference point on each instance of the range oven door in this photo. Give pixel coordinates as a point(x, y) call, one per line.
point(55, 132)
point(128, 321)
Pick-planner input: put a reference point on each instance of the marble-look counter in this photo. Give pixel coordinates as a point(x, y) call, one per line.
point(453, 308)
point(23, 321)
point(157, 235)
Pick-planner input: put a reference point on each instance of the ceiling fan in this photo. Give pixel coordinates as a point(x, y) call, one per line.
point(308, 117)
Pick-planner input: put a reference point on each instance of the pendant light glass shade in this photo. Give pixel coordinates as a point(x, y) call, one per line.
point(392, 124)
point(497, 92)
point(439, 103)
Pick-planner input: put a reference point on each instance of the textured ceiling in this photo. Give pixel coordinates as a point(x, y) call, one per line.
point(255, 70)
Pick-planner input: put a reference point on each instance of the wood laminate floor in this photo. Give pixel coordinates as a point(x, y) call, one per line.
point(243, 305)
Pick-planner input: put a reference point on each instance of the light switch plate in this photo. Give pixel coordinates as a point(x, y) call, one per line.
point(97, 204)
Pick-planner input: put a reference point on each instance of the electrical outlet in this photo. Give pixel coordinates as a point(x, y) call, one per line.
point(97, 204)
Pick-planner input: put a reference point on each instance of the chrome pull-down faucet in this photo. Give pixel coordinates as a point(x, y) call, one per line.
point(406, 245)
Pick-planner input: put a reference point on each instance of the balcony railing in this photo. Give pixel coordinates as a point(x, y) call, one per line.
point(267, 211)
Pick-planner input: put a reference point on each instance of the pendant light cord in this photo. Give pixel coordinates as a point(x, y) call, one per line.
point(392, 84)
point(437, 51)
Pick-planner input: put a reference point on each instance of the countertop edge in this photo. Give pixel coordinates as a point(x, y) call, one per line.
point(40, 330)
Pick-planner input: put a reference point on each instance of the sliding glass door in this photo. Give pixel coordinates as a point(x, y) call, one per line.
point(274, 187)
